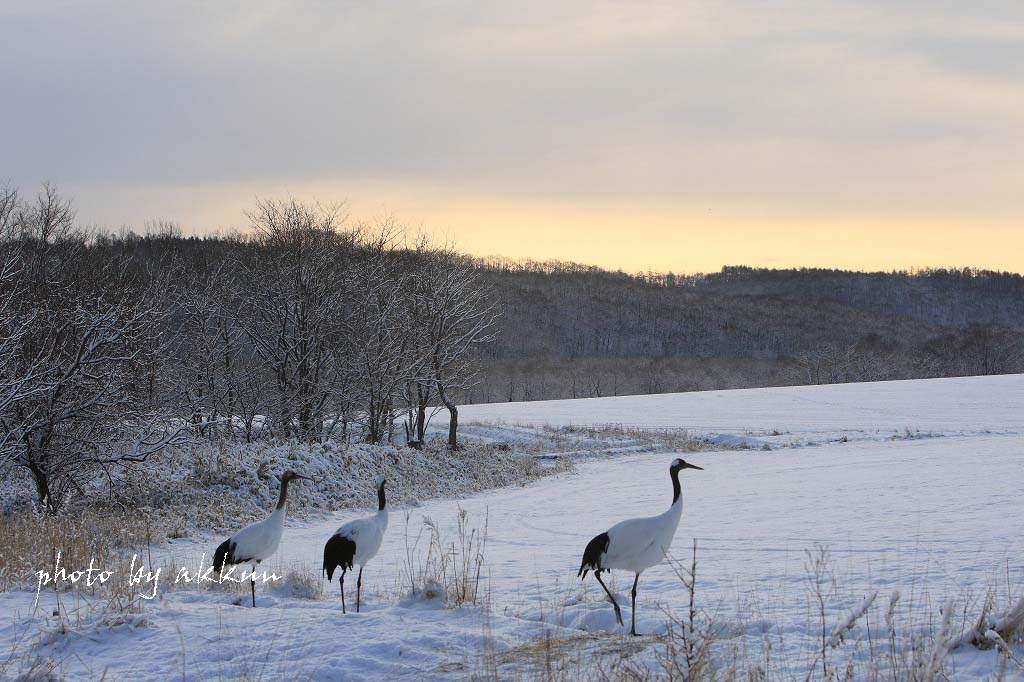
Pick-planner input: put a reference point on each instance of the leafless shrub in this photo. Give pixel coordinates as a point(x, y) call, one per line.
point(687, 652)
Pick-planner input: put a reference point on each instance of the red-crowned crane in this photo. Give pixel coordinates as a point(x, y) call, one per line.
point(257, 541)
point(356, 542)
point(635, 544)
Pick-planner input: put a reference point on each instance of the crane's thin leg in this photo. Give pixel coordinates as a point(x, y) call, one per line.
point(618, 612)
point(632, 630)
point(341, 581)
point(252, 582)
point(359, 587)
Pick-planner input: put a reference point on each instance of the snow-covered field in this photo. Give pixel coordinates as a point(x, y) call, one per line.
point(912, 486)
point(969, 405)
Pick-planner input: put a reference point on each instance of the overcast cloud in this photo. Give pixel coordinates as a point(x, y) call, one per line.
point(823, 109)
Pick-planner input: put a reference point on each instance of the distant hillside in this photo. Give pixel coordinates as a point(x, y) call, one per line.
point(570, 330)
point(577, 331)
point(945, 297)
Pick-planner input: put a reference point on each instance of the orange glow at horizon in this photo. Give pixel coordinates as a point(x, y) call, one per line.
point(688, 241)
point(612, 234)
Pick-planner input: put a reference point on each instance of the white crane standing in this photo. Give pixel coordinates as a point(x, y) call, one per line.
point(356, 542)
point(257, 541)
point(635, 544)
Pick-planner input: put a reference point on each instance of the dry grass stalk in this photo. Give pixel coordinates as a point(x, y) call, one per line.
point(449, 568)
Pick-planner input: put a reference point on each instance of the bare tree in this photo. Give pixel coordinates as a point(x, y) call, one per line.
point(16, 321)
point(80, 402)
point(291, 304)
point(418, 391)
point(458, 313)
point(985, 349)
point(16, 378)
point(48, 237)
point(219, 378)
point(383, 353)
point(82, 412)
point(10, 209)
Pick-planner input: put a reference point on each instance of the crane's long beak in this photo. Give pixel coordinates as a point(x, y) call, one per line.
point(308, 478)
point(693, 466)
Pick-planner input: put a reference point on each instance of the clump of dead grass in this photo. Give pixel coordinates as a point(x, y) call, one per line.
point(437, 566)
point(32, 541)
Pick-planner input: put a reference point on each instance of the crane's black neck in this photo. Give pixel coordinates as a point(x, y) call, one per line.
point(381, 501)
point(676, 491)
point(283, 499)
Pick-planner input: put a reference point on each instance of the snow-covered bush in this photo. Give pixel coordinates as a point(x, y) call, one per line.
point(220, 486)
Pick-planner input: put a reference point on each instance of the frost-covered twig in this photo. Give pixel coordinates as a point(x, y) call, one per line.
point(839, 632)
point(931, 667)
point(1003, 646)
point(890, 626)
point(844, 626)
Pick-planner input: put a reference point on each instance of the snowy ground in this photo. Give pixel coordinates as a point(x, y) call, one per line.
point(969, 405)
point(913, 486)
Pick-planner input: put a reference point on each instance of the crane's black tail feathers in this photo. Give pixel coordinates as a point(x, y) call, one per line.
point(338, 551)
point(223, 555)
point(592, 555)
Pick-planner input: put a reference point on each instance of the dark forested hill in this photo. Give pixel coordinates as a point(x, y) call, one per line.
point(570, 330)
point(576, 331)
point(941, 296)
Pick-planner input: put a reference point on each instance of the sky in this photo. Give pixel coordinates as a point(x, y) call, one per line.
point(678, 136)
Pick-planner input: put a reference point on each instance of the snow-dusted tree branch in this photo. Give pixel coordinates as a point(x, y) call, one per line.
point(291, 293)
point(458, 312)
point(76, 394)
point(383, 354)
